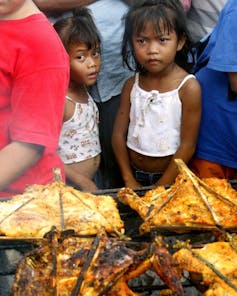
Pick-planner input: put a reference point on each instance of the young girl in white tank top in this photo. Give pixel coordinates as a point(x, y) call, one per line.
point(159, 114)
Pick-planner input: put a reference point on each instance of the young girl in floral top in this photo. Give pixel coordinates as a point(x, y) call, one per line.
point(79, 145)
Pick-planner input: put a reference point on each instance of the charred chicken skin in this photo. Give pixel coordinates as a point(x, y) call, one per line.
point(91, 267)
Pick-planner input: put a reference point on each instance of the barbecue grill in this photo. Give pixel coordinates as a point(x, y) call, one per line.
point(12, 250)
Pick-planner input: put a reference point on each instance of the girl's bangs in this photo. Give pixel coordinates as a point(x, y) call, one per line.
point(161, 20)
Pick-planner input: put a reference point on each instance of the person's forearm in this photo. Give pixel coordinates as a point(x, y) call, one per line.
point(16, 158)
point(185, 152)
point(121, 154)
point(84, 183)
point(61, 5)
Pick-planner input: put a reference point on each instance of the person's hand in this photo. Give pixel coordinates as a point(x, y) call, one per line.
point(88, 186)
point(133, 184)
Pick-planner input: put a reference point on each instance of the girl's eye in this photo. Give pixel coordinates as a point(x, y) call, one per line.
point(141, 40)
point(81, 58)
point(163, 39)
point(96, 53)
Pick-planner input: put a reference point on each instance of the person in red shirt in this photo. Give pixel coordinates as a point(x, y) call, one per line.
point(34, 75)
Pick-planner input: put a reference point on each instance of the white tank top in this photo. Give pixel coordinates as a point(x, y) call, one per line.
point(155, 120)
point(79, 137)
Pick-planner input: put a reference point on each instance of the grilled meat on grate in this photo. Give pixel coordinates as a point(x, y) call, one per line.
point(97, 266)
point(214, 265)
point(189, 202)
point(33, 213)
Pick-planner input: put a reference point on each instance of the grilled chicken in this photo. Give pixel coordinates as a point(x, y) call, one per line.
point(214, 265)
point(189, 202)
point(91, 267)
point(33, 213)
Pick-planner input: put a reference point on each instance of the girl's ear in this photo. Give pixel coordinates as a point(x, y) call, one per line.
point(181, 43)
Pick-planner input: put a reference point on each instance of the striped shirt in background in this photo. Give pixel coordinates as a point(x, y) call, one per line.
point(203, 16)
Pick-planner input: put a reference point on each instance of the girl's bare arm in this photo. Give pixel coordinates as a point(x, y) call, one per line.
point(15, 159)
point(120, 134)
point(83, 182)
point(190, 95)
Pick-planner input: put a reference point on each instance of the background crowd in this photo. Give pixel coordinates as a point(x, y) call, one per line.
point(40, 91)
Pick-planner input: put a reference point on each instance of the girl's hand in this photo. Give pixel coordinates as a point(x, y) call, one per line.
point(88, 186)
point(133, 184)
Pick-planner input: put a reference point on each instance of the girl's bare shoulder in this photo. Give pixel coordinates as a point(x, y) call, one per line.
point(129, 82)
point(190, 83)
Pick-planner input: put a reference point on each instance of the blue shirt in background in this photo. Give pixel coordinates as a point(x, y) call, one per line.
point(217, 140)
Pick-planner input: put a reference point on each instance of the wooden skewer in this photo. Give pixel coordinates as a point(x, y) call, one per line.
point(195, 180)
point(182, 167)
point(115, 231)
point(85, 267)
point(17, 209)
point(170, 197)
point(208, 264)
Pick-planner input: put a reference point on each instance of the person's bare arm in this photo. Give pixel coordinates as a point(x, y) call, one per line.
point(190, 95)
point(82, 182)
point(15, 159)
point(61, 5)
point(233, 81)
point(120, 134)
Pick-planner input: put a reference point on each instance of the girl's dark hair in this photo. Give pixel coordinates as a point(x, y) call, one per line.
point(79, 28)
point(168, 14)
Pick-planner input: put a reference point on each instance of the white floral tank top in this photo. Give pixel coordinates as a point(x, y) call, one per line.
point(79, 137)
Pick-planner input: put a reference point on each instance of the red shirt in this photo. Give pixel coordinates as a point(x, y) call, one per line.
point(34, 73)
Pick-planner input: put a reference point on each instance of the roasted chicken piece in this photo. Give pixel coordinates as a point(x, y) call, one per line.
point(151, 200)
point(92, 267)
point(189, 202)
point(33, 213)
point(214, 265)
